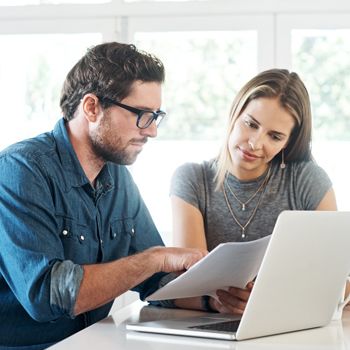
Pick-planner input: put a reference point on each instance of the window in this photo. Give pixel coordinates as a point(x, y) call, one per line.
point(205, 67)
point(318, 48)
point(322, 57)
point(201, 83)
point(32, 71)
point(199, 89)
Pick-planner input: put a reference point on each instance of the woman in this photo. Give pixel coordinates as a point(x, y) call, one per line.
point(264, 167)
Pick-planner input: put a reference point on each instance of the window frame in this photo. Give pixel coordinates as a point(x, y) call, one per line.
point(107, 27)
point(286, 23)
point(262, 24)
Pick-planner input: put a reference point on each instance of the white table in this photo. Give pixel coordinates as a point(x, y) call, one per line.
point(110, 333)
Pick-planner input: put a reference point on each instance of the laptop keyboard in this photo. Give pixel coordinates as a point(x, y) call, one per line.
point(226, 326)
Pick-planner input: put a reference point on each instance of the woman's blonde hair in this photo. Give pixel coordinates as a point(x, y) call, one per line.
point(292, 95)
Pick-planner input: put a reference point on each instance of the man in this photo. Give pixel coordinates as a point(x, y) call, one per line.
point(75, 233)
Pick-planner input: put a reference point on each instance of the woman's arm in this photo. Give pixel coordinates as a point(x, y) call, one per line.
point(188, 231)
point(188, 225)
point(328, 202)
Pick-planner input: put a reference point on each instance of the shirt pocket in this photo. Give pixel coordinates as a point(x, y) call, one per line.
point(122, 232)
point(77, 241)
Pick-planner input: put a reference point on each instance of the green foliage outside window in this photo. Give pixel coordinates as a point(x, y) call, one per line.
point(203, 73)
point(323, 61)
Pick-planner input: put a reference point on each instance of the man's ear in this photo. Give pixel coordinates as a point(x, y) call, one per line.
point(91, 107)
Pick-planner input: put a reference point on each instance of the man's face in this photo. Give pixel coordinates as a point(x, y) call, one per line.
point(116, 138)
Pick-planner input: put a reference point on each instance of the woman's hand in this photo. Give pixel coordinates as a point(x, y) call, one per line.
point(233, 300)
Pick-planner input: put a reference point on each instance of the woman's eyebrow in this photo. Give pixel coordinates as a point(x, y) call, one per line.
point(273, 131)
point(250, 116)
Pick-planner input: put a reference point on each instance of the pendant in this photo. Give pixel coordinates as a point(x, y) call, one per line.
point(243, 234)
point(243, 206)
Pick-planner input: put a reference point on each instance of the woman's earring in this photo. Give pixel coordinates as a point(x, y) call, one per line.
point(283, 164)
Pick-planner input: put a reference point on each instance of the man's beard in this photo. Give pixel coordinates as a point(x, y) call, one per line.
point(108, 147)
point(115, 155)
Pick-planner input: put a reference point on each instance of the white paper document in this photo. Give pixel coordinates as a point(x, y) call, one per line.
point(231, 264)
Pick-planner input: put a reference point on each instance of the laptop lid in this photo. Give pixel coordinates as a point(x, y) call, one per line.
point(302, 274)
point(298, 285)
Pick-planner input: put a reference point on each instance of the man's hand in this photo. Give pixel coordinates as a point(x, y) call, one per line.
point(116, 277)
point(232, 301)
point(175, 259)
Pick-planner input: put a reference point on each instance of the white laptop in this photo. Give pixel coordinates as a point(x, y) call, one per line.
point(298, 286)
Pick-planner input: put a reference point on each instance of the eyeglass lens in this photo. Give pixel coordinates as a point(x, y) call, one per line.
point(147, 118)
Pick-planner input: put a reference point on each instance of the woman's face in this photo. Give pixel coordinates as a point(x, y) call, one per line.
point(259, 134)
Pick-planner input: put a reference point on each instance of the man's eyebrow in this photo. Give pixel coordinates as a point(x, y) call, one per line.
point(144, 108)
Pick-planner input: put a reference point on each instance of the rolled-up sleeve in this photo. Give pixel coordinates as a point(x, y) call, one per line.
point(66, 278)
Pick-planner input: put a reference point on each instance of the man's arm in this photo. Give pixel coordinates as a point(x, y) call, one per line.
point(102, 283)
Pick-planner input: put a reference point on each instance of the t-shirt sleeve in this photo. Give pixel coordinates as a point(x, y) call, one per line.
point(188, 184)
point(312, 185)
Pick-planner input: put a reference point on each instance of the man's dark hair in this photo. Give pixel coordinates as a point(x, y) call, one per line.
point(108, 70)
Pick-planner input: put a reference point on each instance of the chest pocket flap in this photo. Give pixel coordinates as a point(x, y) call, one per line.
point(121, 233)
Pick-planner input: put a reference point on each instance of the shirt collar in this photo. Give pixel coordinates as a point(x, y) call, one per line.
point(73, 171)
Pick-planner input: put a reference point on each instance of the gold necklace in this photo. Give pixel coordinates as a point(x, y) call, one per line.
point(243, 204)
point(243, 227)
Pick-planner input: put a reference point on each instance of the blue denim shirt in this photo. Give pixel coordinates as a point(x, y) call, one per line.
point(52, 221)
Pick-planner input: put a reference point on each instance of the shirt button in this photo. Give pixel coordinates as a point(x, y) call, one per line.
point(65, 232)
point(132, 230)
point(82, 237)
point(101, 241)
point(114, 234)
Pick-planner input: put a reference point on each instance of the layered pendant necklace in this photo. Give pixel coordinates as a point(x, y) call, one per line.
point(243, 204)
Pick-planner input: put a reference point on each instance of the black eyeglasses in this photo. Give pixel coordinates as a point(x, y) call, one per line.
point(144, 117)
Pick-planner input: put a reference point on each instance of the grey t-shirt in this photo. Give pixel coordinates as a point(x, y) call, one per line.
point(300, 186)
